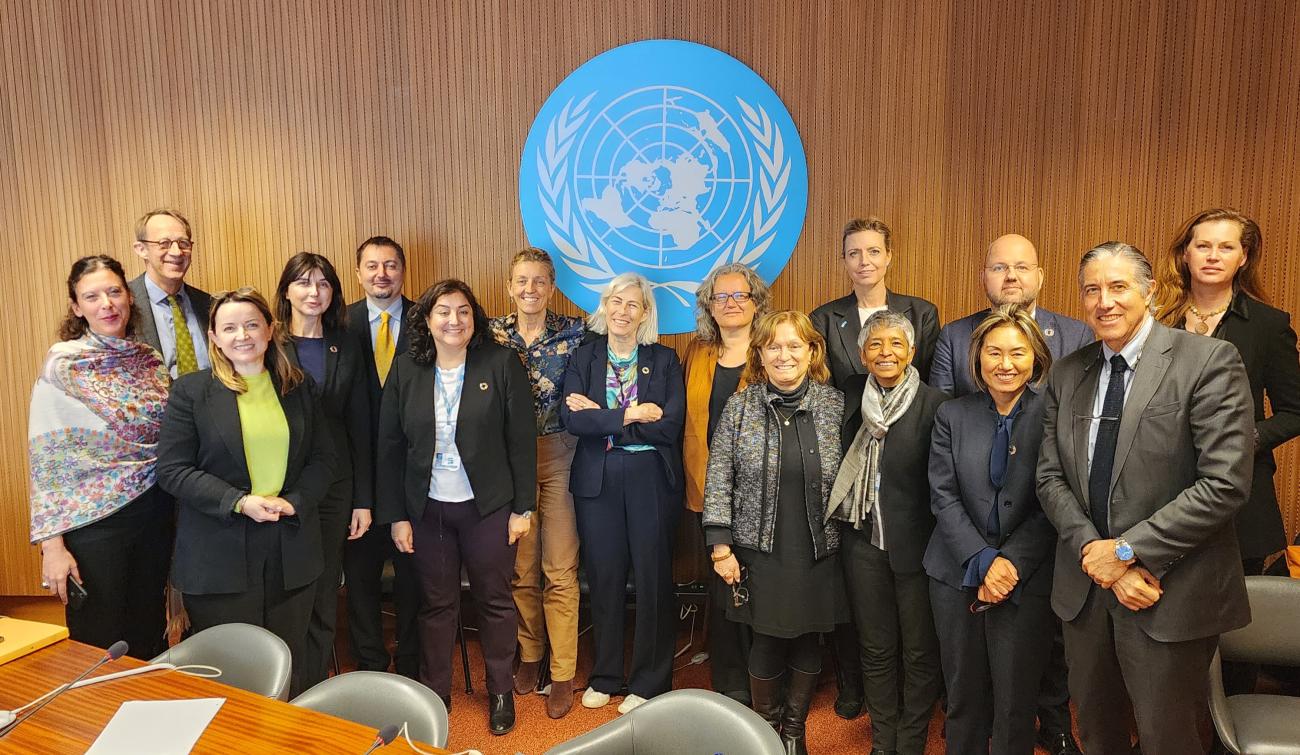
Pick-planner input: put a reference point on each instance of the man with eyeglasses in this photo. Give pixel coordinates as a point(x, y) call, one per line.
point(173, 315)
point(1011, 274)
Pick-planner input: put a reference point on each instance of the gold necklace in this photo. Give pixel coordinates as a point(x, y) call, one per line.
point(1204, 326)
point(784, 419)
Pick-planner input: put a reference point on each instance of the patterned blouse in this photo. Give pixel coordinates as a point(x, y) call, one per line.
point(546, 360)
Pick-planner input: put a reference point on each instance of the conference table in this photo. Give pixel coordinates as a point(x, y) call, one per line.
point(246, 723)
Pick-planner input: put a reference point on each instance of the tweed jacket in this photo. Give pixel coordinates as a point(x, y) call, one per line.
point(740, 486)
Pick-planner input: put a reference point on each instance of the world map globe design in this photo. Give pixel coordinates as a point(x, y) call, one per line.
point(667, 171)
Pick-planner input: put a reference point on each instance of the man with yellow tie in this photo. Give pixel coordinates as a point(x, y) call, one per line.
point(377, 322)
point(173, 315)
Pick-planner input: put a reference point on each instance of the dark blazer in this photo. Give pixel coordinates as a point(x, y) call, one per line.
point(1267, 343)
point(837, 321)
point(658, 381)
point(951, 370)
point(345, 413)
point(359, 328)
point(904, 494)
point(147, 329)
point(496, 434)
point(962, 494)
point(201, 462)
point(1182, 470)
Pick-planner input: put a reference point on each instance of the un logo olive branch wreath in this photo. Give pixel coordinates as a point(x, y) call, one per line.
point(586, 259)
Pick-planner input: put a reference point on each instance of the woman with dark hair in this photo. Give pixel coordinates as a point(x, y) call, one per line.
point(990, 557)
point(1208, 282)
point(459, 483)
point(243, 450)
point(103, 526)
point(309, 305)
point(772, 464)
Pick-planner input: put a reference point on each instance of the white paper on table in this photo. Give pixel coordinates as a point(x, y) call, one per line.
point(158, 727)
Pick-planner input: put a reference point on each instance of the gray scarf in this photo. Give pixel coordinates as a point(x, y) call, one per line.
point(855, 491)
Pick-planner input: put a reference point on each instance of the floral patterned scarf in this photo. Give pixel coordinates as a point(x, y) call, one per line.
point(92, 435)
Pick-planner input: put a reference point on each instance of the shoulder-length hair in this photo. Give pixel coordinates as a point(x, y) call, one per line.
point(301, 265)
point(706, 328)
point(75, 327)
point(422, 347)
point(286, 373)
point(764, 333)
point(1009, 316)
point(648, 331)
point(1174, 280)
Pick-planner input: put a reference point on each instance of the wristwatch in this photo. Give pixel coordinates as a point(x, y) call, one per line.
point(1123, 551)
point(527, 514)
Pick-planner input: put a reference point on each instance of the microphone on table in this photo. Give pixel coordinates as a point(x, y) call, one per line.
point(115, 651)
point(383, 737)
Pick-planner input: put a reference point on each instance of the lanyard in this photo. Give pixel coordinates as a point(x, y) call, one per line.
point(453, 403)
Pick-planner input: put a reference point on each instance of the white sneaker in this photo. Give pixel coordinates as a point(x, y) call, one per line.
point(593, 699)
point(630, 703)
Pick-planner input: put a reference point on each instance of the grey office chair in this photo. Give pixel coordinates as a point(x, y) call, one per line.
point(682, 721)
point(1260, 724)
point(250, 657)
point(377, 699)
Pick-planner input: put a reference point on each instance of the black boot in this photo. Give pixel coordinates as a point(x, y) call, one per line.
point(766, 696)
point(501, 713)
point(798, 696)
point(848, 672)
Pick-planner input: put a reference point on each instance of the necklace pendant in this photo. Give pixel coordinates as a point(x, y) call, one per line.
point(1202, 328)
point(787, 423)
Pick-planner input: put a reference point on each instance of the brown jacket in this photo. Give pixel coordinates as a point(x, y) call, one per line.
point(699, 364)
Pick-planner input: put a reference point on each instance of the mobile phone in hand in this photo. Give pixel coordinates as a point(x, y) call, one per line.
point(76, 593)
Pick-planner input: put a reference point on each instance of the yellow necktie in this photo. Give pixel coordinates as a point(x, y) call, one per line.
point(383, 348)
point(186, 361)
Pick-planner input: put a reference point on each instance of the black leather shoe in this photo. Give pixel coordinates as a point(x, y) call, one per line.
point(501, 713)
point(849, 701)
point(1059, 744)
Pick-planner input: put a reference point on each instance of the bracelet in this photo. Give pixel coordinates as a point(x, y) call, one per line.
point(239, 504)
point(716, 558)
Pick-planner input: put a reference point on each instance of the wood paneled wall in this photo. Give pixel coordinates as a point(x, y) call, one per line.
point(281, 126)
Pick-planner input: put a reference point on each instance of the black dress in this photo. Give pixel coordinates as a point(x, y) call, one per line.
point(791, 593)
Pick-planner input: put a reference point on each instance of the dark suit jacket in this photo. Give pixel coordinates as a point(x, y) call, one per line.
point(359, 328)
point(345, 414)
point(147, 328)
point(951, 372)
point(1267, 344)
point(837, 321)
point(904, 494)
point(201, 462)
point(962, 495)
point(496, 434)
point(1182, 471)
point(658, 381)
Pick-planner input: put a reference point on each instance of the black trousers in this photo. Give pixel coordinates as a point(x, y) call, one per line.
point(1118, 674)
point(631, 525)
point(898, 647)
point(363, 569)
point(312, 665)
point(1054, 689)
point(992, 663)
point(729, 641)
point(123, 560)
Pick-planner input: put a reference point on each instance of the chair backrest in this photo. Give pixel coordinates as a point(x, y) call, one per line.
point(1271, 635)
point(377, 699)
point(682, 721)
point(250, 657)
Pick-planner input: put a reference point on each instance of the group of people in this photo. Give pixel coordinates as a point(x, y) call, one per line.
point(964, 511)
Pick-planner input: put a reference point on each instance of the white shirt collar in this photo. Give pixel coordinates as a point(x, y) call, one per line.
point(1132, 350)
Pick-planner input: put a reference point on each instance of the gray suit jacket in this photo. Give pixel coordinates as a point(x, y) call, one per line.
point(1182, 470)
point(950, 372)
point(147, 328)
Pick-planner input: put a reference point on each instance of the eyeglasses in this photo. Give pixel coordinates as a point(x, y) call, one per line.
point(740, 296)
point(164, 244)
point(1020, 268)
point(739, 594)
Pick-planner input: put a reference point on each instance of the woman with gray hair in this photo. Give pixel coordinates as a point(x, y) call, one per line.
point(726, 305)
point(625, 402)
point(882, 503)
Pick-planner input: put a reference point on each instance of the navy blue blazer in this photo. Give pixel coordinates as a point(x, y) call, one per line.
point(951, 373)
point(658, 381)
point(961, 494)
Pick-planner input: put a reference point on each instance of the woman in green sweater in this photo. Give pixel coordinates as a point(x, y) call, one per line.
point(242, 451)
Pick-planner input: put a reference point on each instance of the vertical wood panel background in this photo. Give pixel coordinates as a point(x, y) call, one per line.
point(282, 126)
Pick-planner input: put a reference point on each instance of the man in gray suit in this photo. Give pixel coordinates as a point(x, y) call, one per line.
point(1147, 453)
point(173, 315)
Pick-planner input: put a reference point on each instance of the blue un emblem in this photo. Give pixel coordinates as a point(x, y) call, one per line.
point(668, 159)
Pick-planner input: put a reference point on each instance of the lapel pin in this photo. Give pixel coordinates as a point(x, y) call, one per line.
point(334, 349)
point(482, 386)
point(1012, 450)
point(645, 370)
point(1049, 332)
point(843, 323)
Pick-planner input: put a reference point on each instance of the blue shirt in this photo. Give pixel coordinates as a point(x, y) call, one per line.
point(394, 311)
point(162, 318)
